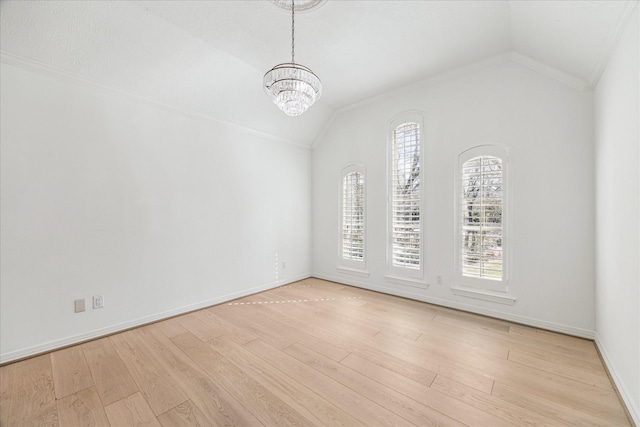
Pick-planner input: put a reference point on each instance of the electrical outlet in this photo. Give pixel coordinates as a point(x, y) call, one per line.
point(439, 279)
point(79, 305)
point(98, 301)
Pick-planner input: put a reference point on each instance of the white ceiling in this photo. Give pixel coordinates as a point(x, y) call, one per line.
point(208, 57)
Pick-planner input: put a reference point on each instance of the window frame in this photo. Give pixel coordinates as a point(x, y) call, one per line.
point(395, 273)
point(348, 265)
point(484, 284)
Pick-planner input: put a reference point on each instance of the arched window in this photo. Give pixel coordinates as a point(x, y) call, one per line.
point(352, 234)
point(482, 218)
point(406, 187)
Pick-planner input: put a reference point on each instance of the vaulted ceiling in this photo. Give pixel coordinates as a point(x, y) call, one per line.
point(209, 57)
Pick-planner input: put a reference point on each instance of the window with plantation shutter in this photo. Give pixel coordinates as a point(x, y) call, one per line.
point(353, 216)
point(482, 218)
point(352, 233)
point(406, 201)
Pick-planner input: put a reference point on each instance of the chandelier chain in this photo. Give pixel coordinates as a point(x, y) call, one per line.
point(293, 33)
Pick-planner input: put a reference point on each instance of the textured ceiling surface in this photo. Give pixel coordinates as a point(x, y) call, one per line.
point(208, 57)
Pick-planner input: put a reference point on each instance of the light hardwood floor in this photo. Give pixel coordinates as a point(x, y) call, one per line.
point(316, 353)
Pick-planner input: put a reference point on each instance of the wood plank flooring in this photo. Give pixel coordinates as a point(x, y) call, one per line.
point(316, 353)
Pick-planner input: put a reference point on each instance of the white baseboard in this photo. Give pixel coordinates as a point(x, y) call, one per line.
point(633, 410)
point(626, 397)
point(108, 330)
point(529, 321)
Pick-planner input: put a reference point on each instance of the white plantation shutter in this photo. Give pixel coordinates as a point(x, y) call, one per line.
point(482, 217)
point(353, 216)
point(406, 224)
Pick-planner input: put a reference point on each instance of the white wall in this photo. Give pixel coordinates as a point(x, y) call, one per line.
point(617, 144)
point(547, 128)
point(157, 210)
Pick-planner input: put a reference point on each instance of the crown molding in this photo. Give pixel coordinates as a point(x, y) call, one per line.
point(68, 76)
point(429, 81)
point(553, 73)
point(512, 56)
point(607, 48)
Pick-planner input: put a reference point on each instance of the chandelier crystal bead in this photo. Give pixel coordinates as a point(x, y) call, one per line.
point(292, 87)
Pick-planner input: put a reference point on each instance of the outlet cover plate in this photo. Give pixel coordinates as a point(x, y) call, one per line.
point(98, 301)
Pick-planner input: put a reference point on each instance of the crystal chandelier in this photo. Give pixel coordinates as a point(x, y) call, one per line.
point(292, 87)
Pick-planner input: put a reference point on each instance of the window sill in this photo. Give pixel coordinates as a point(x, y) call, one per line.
point(483, 295)
point(407, 281)
point(353, 271)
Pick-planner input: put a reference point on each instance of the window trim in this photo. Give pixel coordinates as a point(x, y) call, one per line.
point(398, 274)
point(352, 266)
point(476, 283)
